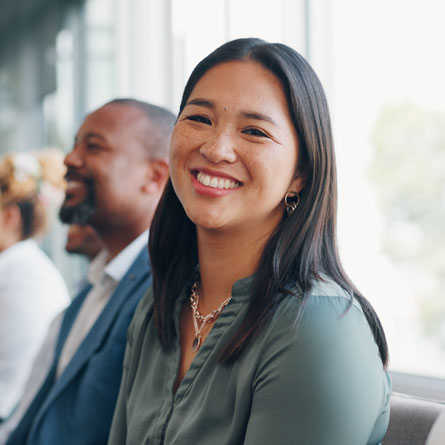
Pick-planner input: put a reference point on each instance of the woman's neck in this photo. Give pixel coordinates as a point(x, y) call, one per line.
point(224, 259)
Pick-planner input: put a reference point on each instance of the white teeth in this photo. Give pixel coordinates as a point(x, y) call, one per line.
point(214, 182)
point(73, 184)
point(206, 180)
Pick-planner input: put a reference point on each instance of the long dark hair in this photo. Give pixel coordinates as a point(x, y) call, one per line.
point(302, 247)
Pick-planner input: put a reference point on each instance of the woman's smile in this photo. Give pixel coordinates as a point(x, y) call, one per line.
point(213, 184)
point(216, 182)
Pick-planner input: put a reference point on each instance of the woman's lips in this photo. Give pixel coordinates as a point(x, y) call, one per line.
point(215, 179)
point(213, 184)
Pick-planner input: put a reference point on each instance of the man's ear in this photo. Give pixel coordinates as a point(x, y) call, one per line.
point(157, 175)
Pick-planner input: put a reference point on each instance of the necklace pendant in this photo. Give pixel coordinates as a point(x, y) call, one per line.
point(196, 344)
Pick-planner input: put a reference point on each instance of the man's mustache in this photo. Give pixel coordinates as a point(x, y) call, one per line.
point(74, 176)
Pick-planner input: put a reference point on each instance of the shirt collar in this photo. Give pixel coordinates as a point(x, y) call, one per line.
point(119, 265)
point(97, 266)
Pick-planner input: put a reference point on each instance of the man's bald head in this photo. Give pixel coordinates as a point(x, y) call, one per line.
point(157, 125)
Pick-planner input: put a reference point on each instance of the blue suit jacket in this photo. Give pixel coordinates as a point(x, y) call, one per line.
point(77, 408)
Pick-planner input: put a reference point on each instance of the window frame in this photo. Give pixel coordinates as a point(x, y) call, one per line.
point(424, 387)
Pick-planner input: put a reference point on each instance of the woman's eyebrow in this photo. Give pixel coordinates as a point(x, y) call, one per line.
point(201, 102)
point(258, 116)
point(245, 114)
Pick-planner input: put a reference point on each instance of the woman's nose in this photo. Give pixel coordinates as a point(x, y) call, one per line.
point(219, 148)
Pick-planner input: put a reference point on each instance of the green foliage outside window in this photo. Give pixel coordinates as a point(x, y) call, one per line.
point(408, 171)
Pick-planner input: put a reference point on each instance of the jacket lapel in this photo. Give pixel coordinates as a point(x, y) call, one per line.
point(68, 321)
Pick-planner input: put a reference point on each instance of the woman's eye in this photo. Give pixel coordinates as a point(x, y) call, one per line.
point(255, 132)
point(198, 118)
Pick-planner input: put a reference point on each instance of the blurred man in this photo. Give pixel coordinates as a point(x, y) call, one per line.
point(116, 173)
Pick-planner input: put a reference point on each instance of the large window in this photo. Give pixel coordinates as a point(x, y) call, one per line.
point(199, 26)
point(388, 103)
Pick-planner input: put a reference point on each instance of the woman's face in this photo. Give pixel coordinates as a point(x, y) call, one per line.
point(234, 150)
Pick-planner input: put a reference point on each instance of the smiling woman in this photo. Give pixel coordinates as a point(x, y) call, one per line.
point(253, 333)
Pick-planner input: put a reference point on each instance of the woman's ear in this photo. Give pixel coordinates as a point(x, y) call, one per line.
point(10, 226)
point(297, 185)
point(11, 217)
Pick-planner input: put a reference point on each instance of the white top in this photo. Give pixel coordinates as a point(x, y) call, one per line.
point(39, 371)
point(104, 278)
point(437, 433)
point(32, 293)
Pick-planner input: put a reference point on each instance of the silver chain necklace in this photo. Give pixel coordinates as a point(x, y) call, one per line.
point(199, 318)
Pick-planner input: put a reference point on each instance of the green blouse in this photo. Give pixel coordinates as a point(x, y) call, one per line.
point(320, 382)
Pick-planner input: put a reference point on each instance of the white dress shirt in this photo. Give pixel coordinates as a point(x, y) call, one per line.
point(32, 293)
point(104, 278)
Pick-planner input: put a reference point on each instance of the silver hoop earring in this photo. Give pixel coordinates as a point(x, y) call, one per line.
point(291, 205)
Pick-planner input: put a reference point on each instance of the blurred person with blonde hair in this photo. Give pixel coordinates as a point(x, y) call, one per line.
point(32, 291)
point(81, 239)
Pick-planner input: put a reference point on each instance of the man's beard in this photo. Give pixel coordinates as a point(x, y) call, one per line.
point(80, 213)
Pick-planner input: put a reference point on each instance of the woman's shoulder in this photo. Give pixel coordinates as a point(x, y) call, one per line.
point(329, 324)
point(25, 266)
point(324, 297)
point(327, 287)
point(323, 350)
point(328, 314)
point(22, 251)
point(29, 256)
